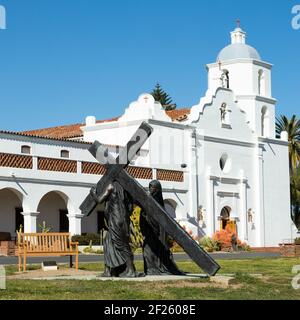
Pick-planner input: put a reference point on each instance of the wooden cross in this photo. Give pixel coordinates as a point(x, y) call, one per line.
point(115, 171)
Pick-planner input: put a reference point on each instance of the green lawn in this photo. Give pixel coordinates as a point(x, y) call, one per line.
point(275, 284)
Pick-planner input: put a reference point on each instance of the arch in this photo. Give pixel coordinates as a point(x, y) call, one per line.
point(171, 206)
point(53, 208)
point(11, 202)
point(261, 83)
point(265, 122)
point(16, 192)
point(93, 222)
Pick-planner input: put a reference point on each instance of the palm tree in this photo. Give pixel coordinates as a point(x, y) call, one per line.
point(295, 196)
point(292, 127)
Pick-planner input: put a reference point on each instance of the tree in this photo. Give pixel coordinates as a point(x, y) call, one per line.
point(295, 196)
point(161, 96)
point(292, 127)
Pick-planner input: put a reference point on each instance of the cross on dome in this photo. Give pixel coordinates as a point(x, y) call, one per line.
point(238, 35)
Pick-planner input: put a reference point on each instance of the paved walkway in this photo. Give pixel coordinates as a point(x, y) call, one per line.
point(178, 257)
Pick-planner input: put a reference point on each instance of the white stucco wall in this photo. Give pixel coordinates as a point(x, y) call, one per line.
point(276, 189)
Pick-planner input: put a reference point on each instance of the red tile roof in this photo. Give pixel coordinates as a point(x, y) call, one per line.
point(28, 134)
point(63, 132)
point(179, 115)
point(73, 131)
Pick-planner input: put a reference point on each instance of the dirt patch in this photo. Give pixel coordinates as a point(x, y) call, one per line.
point(194, 284)
point(33, 274)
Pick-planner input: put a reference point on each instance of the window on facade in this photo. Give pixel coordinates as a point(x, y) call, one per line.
point(225, 163)
point(261, 83)
point(25, 150)
point(264, 121)
point(65, 154)
point(63, 221)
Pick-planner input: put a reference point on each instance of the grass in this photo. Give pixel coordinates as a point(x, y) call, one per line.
point(275, 284)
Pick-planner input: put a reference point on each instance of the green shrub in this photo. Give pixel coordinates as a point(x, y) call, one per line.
point(209, 244)
point(297, 241)
point(88, 239)
point(244, 247)
point(90, 250)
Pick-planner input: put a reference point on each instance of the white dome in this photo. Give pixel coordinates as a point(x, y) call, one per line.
point(238, 51)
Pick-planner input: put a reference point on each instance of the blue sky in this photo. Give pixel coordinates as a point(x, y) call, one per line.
point(61, 60)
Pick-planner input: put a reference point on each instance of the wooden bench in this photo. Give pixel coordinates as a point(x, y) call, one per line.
point(46, 245)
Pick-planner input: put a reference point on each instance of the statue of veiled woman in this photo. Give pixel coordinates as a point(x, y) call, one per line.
point(118, 256)
point(158, 258)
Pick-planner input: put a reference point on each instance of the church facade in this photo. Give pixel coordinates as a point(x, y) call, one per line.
point(219, 162)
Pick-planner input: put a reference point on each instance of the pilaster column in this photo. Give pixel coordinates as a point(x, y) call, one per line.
point(193, 187)
point(30, 219)
point(243, 210)
point(210, 214)
point(75, 223)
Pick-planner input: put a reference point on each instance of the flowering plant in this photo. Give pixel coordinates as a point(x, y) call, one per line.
point(227, 238)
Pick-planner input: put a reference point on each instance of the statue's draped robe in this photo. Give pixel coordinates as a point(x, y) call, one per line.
point(117, 216)
point(158, 258)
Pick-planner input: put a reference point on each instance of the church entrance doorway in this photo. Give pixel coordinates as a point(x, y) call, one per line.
point(225, 217)
point(226, 222)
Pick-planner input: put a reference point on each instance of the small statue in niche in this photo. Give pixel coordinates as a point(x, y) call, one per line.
point(223, 112)
point(224, 79)
point(201, 216)
point(250, 216)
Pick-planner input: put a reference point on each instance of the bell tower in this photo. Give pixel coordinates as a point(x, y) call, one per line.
point(239, 67)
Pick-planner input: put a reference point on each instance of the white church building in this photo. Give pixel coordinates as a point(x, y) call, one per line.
point(219, 162)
